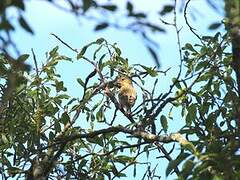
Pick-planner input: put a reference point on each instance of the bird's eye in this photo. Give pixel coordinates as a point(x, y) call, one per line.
point(122, 79)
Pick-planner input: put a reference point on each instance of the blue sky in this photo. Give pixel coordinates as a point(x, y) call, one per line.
point(45, 19)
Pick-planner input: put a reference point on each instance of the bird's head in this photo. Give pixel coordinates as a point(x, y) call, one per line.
point(123, 80)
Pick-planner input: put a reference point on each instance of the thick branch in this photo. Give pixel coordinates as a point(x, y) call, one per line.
point(233, 27)
point(175, 137)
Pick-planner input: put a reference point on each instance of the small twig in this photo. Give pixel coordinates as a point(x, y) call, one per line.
point(178, 39)
point(188, 24)
point(35, 62)
point(75, 50)
point(114, 117)
point(112, 151)
point(167, 156)
point(165, 22)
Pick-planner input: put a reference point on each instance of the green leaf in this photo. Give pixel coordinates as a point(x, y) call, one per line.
point(59, 86)
point(189, 46)
point(134, 170)
point(6, 25)
point(80, 81)
point(100, 41)
point(82, 163)
point(101, 65)
point(101, 26)
point(51, 136)
point(154, 55)
point(87, 4)
point(174, 163)
point(53, 52)
point(63, 96)
point(100, 115)
point(176, 83)
point(13, 171)
point(218, 177)
point(187, 168)
point(164, 123)
point(139, 15)
point(57, 126)
point(96, 140)
point(214, 26)
point(19, 4)
point(166, 9)
point(5, 139)
point(82, 52)
point(129, 7)
point(25, 25)
point(65, 118)
point(96, 51)
point(123, 159)
point(192, 113)
point(150, 71)
point(201, 65)
point(23, 57)
point(110, 7)
point(117, 50)
point(71, 101)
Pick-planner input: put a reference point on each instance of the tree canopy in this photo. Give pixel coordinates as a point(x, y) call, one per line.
point(48, 134)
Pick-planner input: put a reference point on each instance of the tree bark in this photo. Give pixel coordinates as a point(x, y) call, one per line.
point(232, 25)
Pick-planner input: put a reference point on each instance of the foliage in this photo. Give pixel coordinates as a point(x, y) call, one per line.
point(48, 122)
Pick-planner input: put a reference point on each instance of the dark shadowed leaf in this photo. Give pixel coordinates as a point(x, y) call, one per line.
point(65, 118)
point(154, 55)
point(53, 52)
point(150, 71)
point(82, 52)
point(82, 163)
point(25, 25)
point(139, 15)
point(5, 24)
point(100, 115)
point(187, 168)
point(166, 9)
point(23, 57)
point(192, 112)
point(59, 86)
point(129, 7)
point(100, 40)
point(174, 163)
point(101, 26)
point(110, 7)
point(19, 4)
point(164, 123)
point(214, 26)
point(87, 4)
point(80, 81)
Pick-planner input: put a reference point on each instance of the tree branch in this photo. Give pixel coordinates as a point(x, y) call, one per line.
point(174, 137)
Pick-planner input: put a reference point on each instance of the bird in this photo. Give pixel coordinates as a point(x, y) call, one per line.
point(127, 94)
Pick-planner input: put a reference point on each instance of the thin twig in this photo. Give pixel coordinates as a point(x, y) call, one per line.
point(75, 50)
point(188, 24)
point(35, 62)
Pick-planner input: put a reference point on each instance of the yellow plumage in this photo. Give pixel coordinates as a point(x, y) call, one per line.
point(127, 94)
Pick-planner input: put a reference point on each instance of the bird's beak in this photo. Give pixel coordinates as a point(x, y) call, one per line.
point(117, 84)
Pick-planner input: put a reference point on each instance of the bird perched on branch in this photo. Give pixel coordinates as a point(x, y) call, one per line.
point(127, 94)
